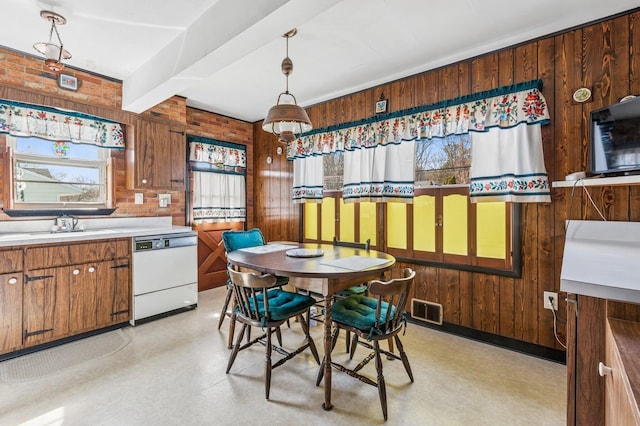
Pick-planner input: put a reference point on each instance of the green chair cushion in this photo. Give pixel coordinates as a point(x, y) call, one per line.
point(358, 311)
point(283, 304)
point(236, 240)
point(356, 289)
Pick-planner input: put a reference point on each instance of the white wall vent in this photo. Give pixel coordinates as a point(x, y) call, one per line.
point(426, 311)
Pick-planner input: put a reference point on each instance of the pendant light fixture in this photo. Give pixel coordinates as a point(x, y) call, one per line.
point(286, 119)
point(54, 53)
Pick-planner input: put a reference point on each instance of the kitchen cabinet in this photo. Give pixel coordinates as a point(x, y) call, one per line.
point(11, 280)
point(157, 157)
point(45, 305)
point(622, 372)
point(587, 322)
point(49, 292)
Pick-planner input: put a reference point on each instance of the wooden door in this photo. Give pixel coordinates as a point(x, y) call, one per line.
point(82, 296)
point(10, 312)
point(114, 293)
point(212, 260)
point(46, 305)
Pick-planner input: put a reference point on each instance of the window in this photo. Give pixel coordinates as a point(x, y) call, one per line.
point(58, 174)
point(441, 227)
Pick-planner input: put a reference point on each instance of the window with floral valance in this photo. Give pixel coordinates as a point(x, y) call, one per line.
point(506, 148)
point(219, 188)
point(24, 120)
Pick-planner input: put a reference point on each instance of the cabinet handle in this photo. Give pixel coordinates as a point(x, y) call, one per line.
point(144, 181)
point(92, 269)
point(603, 370)
point(13, 280)
point(76, 271)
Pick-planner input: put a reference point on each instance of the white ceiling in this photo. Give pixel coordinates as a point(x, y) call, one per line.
point(224, 55)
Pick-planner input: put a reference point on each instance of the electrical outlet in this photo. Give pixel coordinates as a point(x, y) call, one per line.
point(547, 302)
point(139, 198)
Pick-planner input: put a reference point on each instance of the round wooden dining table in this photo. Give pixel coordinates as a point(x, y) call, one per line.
point(321, 268)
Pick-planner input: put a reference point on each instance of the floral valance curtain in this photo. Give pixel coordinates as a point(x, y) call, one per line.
point(25, 120)
point(484, 112)
point(217, 156)
point(219, 184)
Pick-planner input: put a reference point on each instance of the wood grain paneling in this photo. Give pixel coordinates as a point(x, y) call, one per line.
point(602, 56)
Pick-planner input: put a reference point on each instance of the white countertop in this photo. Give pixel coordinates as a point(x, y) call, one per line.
point(16, 233)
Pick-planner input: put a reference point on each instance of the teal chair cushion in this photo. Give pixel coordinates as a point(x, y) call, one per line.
point(236, 240)
point(283, 304)
point(358, 311)
point(356, 289)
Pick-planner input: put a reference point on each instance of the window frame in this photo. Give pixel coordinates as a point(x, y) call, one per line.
point(20, 209)
point(511, 266)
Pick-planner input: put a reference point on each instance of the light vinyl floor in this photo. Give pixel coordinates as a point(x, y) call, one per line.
point(172, 372)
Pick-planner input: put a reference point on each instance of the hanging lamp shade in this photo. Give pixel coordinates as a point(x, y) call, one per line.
point(53, 53)
point(287, 119)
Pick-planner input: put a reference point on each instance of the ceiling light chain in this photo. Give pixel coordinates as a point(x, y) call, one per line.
point(287, 120)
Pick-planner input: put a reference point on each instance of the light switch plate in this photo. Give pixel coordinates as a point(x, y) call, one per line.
point(139, 198)
point(164, 200)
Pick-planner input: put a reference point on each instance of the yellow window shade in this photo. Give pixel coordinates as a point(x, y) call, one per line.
point(311, 221)
point(454, 224)
point(424, 223)
point(347, 221)
point(328, 225)
point(368, 222)
point(397, 225)
point(491, 230)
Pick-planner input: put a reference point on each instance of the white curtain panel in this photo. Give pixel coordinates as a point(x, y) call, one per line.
point(218, 197)
point(379, 174)
point(308, 176)
point(508, 165)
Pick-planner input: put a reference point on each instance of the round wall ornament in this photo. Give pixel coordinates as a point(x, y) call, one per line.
point(583, 94)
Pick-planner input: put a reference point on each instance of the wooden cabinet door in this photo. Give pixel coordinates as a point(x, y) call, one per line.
point(152, 155)
point(45, 305)
point(114, 293)
point(10, 312)
point(178, 162)
point(83, 296)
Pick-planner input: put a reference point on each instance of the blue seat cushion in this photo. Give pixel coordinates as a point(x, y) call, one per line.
point(283, 304)
point(236, 240)
point(358, 311)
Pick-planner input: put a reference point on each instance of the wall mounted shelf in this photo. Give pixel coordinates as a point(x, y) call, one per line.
point(598, 181)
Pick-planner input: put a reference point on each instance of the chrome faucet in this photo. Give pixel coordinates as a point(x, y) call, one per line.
point(64, 223)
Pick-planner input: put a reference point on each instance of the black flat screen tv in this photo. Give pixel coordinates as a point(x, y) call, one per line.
point(615, 139)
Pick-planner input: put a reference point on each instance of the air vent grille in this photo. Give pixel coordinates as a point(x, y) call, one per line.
point(426, 311)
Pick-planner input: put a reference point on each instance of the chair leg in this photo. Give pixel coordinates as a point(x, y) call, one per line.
point(347, 340)
point(305, 329)
point(334, 339)
point(279, 336)
point(232, 330)
point(403, 357)
point(382, 388)
point(223, 314)
point(267, 365)
point(354, 345)
point(236, 348)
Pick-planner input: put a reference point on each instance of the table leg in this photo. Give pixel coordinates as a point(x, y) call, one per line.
point(327, 354)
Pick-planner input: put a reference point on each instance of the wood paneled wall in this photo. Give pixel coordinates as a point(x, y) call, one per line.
point(601, 56)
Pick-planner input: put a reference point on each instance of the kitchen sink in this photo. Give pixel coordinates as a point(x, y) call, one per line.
point(53, 235)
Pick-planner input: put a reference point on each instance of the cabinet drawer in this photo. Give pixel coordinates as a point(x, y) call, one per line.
point(10, 261)
point(46, 256)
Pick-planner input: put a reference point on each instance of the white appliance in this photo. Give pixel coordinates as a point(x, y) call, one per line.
point(165, 274)
point(601, 259)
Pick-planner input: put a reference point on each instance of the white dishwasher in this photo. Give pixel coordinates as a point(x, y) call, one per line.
point(165, 275)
